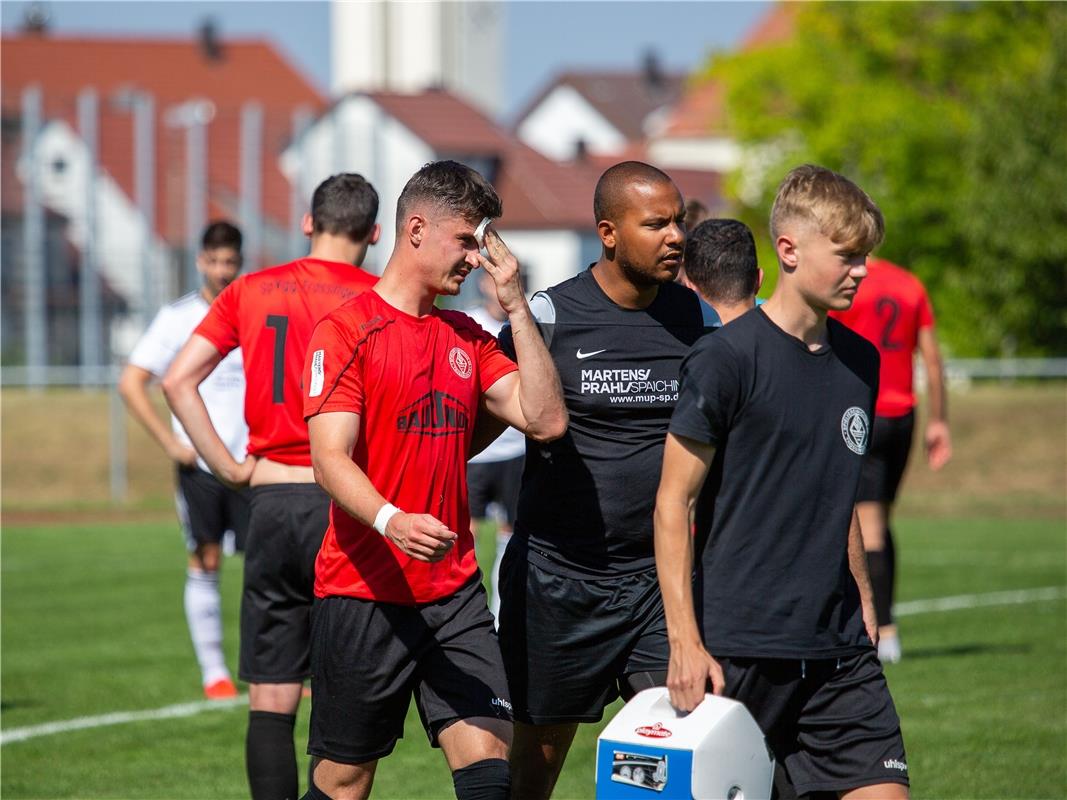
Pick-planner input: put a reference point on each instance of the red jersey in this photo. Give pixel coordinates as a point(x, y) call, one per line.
point(890, 309)
point(416, 383)
point(270, 315)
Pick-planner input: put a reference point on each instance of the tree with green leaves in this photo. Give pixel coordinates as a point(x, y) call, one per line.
point(952, 116)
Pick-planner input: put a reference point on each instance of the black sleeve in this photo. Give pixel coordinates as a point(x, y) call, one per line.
point(710, 394)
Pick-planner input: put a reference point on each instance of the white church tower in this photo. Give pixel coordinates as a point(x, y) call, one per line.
point(382, 45)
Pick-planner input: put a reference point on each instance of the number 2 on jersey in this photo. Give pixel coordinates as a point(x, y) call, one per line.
point(888, 309)
point(280, 323)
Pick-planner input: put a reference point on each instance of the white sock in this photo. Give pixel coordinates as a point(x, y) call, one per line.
point(502, 540)
point(203, 612)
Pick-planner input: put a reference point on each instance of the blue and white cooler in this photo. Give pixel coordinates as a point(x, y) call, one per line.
point(715, 752)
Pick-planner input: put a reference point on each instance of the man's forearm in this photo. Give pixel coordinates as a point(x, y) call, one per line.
point(133, 389)
point(188, 406)
point(937, 403)
point(674, 568)
point(857, 561)
point(181, 386)
point(348, 485)
point(540, 392)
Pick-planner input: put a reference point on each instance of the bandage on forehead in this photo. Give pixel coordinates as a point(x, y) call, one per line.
point(479, 232)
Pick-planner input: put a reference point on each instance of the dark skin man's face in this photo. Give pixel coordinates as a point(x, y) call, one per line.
point(649, 234)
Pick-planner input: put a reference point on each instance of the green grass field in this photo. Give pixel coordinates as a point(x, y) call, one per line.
point(91, 621)
point(93, 624)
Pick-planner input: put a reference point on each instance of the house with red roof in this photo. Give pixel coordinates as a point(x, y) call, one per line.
point(226, 81)
point(597, 112)
point(674, 122)
point(387, 136)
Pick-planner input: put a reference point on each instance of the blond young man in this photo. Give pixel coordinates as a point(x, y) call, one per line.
point(767, 439)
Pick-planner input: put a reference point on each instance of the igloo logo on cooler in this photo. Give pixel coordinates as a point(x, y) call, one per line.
point(656, 731)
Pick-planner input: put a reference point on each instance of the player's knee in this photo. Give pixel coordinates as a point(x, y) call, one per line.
point(206, 558)
point(279, 698)
point(489, 779)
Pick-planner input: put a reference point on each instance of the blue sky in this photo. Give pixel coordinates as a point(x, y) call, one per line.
point(540, 38)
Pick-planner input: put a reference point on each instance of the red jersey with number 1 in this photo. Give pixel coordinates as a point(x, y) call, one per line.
point(416, 384)
point(270, 315)
point(890, 309)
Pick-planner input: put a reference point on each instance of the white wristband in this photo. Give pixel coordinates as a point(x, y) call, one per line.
point(385, 513)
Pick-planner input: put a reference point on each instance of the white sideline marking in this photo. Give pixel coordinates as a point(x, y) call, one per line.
point(118, 718)
point(962, 601)
point(908, 608)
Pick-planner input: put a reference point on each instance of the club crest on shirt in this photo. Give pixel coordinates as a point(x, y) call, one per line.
point(460, 362)
point(855, 429)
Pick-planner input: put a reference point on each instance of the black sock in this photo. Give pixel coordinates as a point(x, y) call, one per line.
point(880, 584)
point(890, 551)
point(270, 756)
point(314, 793)
point(489, 779)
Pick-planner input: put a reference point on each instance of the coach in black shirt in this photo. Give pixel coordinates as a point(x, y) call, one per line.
point(581, 619)
point(773, 418)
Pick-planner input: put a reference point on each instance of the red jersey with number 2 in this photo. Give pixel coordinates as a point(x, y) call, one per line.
point(270, 315)
point(416, 384)
point(890, 309)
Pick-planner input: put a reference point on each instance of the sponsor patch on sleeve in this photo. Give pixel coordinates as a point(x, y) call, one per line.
point(318, 373)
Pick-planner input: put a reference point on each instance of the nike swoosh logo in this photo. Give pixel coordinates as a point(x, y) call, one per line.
point(582, 355)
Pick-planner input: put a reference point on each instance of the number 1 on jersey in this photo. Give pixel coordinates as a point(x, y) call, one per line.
point(280, 323)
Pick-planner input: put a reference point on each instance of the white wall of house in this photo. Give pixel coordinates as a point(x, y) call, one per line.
point(63, 169)
point(719, 153)
point(358, 136)
point(548, 257)
point(409, 47)
point(564, 117)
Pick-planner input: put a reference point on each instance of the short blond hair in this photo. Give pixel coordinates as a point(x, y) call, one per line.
point(834, 205)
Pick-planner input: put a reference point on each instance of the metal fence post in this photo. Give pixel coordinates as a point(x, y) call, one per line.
point(298, 190)
point(34, 266)
point(251, 200)
point(144, 170)
point(91, 344)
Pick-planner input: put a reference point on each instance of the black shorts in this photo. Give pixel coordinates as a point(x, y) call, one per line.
point(207, 509)
point(368, 658)
point(572, 645)
point(495, 480)
point(285, 532)
point(886, 458)
point(831, 722)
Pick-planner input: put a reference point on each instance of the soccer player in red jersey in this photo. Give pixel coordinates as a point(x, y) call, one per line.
point(270, 315)
point(893, 311)
point(393, 387)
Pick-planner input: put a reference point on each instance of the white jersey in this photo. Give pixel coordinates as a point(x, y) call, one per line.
point(223, 390)
point(511, 443)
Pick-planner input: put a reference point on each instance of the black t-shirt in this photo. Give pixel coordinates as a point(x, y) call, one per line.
point(790, 427)
point(586, 503)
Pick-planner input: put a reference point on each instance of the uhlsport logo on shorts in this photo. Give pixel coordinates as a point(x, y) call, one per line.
point(460, 362)
point(893, 763)
point(656, 731)
point(855, 429)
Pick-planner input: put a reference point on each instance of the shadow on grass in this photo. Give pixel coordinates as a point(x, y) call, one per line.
point(973, 649)
point(11, 705)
